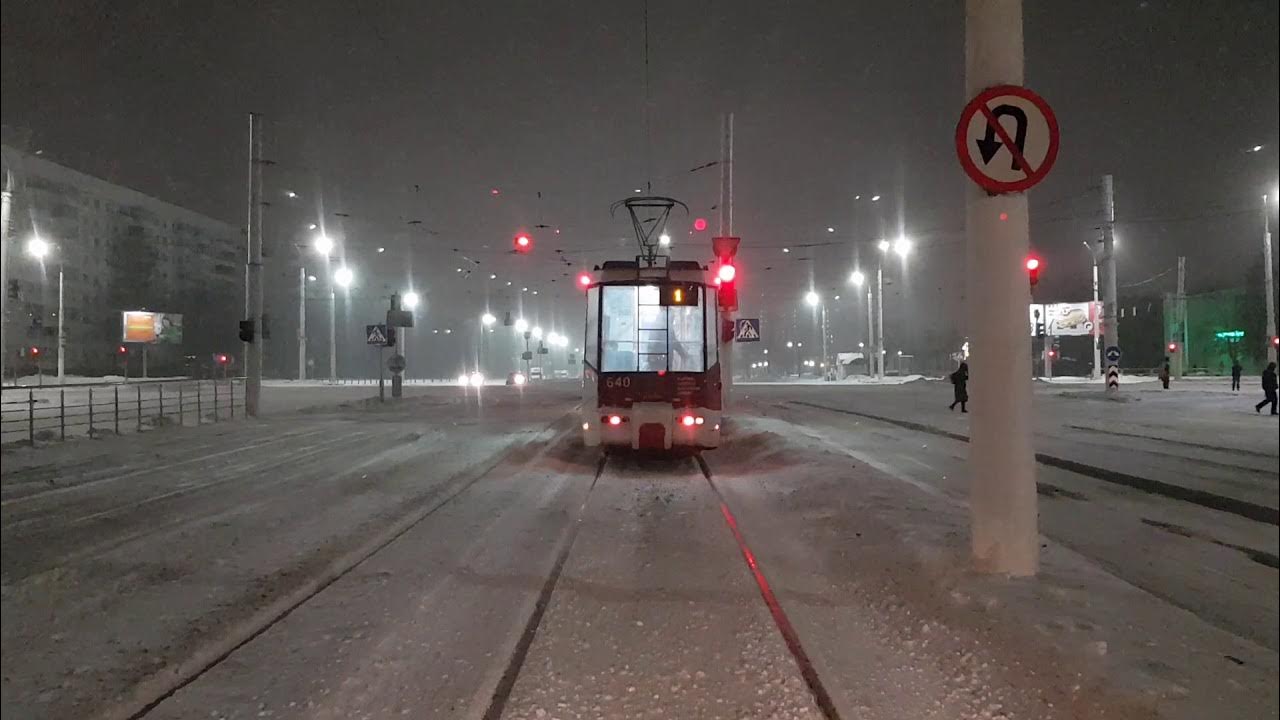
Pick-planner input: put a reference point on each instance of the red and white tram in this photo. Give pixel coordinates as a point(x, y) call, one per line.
point(651, 375)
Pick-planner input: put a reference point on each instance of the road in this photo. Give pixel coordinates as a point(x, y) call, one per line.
point(462, 555)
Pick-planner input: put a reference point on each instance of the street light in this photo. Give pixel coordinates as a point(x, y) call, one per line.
point(344, 277)
point(522, 325)
point(857, 278)
point(884, 245)
point(664, 240)
point(322, 245)
point(488, 319)
point(812, 298)
point(37, 247)
point(409, 300)
point(902, 246)
point(537, 333)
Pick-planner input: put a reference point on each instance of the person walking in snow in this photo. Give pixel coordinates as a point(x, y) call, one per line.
point(960, 384)
point(1269, 388)
point(1164, 374)
point(1236, 372)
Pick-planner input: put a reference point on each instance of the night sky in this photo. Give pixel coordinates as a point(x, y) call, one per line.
point(410, 112)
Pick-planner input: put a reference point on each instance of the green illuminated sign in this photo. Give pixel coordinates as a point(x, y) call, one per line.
point(1229, 334)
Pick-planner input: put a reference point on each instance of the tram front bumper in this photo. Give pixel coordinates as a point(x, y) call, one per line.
point(652, 426)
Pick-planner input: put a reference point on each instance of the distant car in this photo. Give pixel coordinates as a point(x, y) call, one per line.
point(535, 374)
point(515, 378)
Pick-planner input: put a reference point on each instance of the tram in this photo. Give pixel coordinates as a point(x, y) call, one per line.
point(651, 365)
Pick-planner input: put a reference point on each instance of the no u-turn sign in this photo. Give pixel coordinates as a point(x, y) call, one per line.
point(1007, 139)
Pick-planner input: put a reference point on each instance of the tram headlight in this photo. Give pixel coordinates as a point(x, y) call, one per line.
point(477, 379)
point(518, 379)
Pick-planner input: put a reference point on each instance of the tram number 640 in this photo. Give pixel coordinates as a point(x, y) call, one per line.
point(622, 382)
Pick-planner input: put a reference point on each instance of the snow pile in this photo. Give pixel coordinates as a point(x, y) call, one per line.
point(52, 379)
point(851, 380)
point(1082, 379)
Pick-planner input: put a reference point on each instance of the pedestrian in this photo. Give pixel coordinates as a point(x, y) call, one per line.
point(1236, 372)
point(960, 384)
point(1268, 388)
point(1164, 374)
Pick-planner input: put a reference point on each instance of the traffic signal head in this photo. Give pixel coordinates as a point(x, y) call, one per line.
point(1173, 347)
point(223, 359)
point(700, 224)
point(726, 248)
point(35, 351)
point(246, 331)
point(727, 273)
point(522, 242)
point(123, 350)
point(584, 280)
point(1275, 341)
point(1033, 270)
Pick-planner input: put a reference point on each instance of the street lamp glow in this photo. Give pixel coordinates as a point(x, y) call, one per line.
point(902, 246)
point(344, 277)
point(812, 299)
point(322, 244)
point(537, 333)
point(488, 319)
point(522, 325)
point(875, 198)
point(37, 247)
point(884, 245)
point(830, 229)
point(857, 278)
point(664, 240)
point(410, 300)
point(790, 344)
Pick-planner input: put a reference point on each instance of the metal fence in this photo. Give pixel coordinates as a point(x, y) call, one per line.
point(29, 416)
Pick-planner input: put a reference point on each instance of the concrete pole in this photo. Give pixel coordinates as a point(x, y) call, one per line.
point(880, 320)
point(1002, 493)
point(333, 333)
point(1269, 280)
point(871, 337)
point(1097, 347)
point(6, 203)
point(253, 272)
point(1048, 356)
point(302, 323)
point(1180, 361)
point(1110, 305)
point(62, 332)
point(826, 357)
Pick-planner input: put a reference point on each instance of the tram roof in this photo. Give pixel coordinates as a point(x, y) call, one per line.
point(682, 270)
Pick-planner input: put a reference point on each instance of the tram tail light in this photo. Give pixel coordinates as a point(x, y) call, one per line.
point(615, 419)
point(688, 420)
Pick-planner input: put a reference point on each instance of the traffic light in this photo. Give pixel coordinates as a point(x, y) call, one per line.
point(700, 224)
point(1275, 341)
point(726, 248)
point(122, 350)
point(246, 331)
point(392, 336)
point(1033, 270)
point(584, 280)
point(522, 243)
point(223, 358)
point(35, 352)
point(1053, 354)
point(1172, 347)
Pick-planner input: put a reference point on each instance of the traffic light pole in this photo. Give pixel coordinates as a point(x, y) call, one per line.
point(880, 320)
point(253, 273)
point(871, 337)
point(1110, 305)
point(1269, 277)
point(1002, 492)
point(302, 323)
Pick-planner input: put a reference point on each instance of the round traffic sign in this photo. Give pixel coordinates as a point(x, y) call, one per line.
point(396, 363)
point(1113, 354)
point(1007, 139)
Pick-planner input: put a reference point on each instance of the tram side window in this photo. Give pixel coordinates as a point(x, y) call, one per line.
point(591, 345)
point(713, 327)
point(686, 338)
point(618, 329)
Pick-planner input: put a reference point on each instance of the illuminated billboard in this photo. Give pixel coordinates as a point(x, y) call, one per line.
point(139, 326)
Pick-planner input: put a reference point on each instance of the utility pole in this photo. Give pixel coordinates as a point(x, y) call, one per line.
point(871, 336)
point(302, 323)
point(726, 230)
point(880, 319)
point(1269, 279)
point(1002, 494)
point(6, 203)
point(1097, 348)
point(1181, 358)
point(333, 332)
point(62, 328)
point(253, 272)
point(1110, 305)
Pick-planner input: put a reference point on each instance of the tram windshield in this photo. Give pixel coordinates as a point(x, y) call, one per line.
point(638, 333)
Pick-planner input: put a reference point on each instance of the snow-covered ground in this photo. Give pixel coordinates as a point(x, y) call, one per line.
point(851, 380)
point(464, 556)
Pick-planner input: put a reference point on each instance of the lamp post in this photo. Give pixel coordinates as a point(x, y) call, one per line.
point(901, 247)
point(39, 248)
point(1268, 275)
point(814, 300)
point(342, 277)
point(1097, 346)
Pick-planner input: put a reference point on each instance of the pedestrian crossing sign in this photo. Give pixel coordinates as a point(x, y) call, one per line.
point(376, 334)
point(748, 330)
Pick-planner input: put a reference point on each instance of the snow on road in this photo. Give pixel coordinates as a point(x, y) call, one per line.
point(444, 557)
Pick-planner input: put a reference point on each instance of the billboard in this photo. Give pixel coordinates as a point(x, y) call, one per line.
point(139, 326)
point(1065, 319)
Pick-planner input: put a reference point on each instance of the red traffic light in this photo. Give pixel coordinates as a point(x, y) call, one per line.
point(700, 224)
point(727, 273)
point(522, 243)
point(584, 280)
point(223, 359)
point(1173, 347)
point(35, 351)
point(1053, 353)
point(1275, 341)
point(1033, 264)
point(122, 350)
point(1033, 270)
